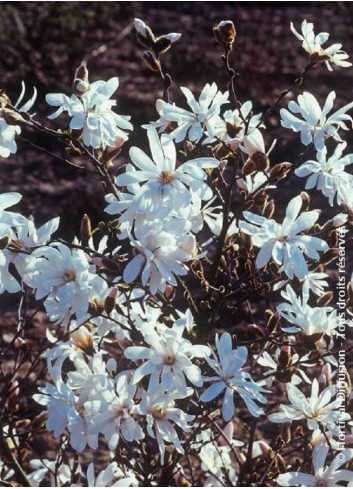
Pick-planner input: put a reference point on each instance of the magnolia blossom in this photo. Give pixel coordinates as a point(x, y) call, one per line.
point(315, 124)
point(8, 219)
point(42, 467)
point(23, 238)
point(115, 413)
point(111, 476)
point(313, 46)
point(92, 114)
point(159, 409)
point(160, 255)
point(312, 322)
point(161, 181)
point(283, 241)
point(290, 372)
point(202, 116)
point(63, 274)
point(328, 174)
point(230, 128)
point(232, 377)
point(318, 410)
point(324, 476)
point(63, 413)
point(168, 360)
point(8, 132)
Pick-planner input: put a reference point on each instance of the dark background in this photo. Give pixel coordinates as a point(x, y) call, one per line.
point(44, 42)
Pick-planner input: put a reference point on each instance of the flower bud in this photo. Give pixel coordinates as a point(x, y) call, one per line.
point(151, 61)
point(4, 241)
point(12, 118)
point(225, 33)
point(280, 171)
point(111, 265)
point(4, 99)
point(173, 36)
point(85, 229)
point(144, 33)
point(260, 160)
point(285, 356)
point(81, 84)
point(249, 168)
point(169, 293)
point(109, 302)
point(306, 201)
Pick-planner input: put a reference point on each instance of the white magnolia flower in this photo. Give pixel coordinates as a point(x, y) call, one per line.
point(42, 467)
point(8, 132)
point(315, 124)
point(163, 183)
point(168, 360)
point(324, 476)
point(63, 274)
point(8, 220)
point(192, 124)
point(231, 127)
point(92, 114)
point(111, 476)
point(283, 242)
point(291, 372)
point(328, 174)
point(23, 239)
point(313, 46)
point(115, 413)
point(160, 256)
point(318, 410)
point(159, 409)
point(310, 321)
point(232, 377)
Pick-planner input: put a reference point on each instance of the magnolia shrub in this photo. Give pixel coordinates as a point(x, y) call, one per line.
point(193, 335)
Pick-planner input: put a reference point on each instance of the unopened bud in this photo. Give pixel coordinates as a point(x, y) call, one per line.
point(81, 84)
point(12, 118)
point(109, 302)
point(261, 161)
point(279, 171)
point(86, 228)
point(144, 33)
point(151, 61)
point(169, 293)
point(4, 241)
point(285, 356)
point(249, 168)
point(111, 265)
point(82, 339)
point(225, 33)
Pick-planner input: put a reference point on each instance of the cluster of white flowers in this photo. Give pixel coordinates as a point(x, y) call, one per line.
point(125, 367)
point(92, 114)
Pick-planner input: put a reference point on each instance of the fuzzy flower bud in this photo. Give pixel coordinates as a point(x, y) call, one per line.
point(225, 33)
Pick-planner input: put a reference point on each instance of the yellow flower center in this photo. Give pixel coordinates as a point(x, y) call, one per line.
point(157, 412)
point(169, 358)
point(69, 276)
point(165, 177)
